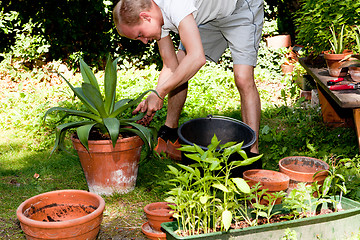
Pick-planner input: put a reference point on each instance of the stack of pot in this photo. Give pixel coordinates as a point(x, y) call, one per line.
point(156, 213)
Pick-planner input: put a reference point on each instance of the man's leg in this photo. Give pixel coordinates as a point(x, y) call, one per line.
point(176, 100)
point(250, 99)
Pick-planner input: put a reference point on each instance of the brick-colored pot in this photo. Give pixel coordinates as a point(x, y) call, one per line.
point(63, 214)
point(273, 181)
point(302, 169)
point(107, 169)
point(157, 213)
point(333, 63)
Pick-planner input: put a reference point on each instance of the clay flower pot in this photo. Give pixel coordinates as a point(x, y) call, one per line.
point(108, 169)
point(64, 214)
point(151, 233)
point(355, 73)
point(157, 213)
point(278, 41)
point(302, 169)
point(333, 63)
point(271, 180)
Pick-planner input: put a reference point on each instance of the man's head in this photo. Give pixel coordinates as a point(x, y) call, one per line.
point(138, 19)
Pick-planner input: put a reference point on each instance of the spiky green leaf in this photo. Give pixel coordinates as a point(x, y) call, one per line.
point(73, 113)
point(113, 127)
point(110, 85)
point(95, 97)
point(83, 133)
point(87, 75)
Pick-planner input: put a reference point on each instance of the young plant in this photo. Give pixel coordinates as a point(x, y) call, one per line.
point(104, 113)
point(301, 201)
point(205, 194)
point(271, 198)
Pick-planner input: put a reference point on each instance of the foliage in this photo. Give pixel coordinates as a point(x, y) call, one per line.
point(314, 18)
point(301, 201)
point(105, 114)
point(337, 40)
point(204, 192)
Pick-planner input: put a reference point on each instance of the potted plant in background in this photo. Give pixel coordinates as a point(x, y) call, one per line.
point(337, 53)
point(108, 142)
point(353, 61)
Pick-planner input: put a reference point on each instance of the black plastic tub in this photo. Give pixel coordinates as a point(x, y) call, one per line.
point(200, 131)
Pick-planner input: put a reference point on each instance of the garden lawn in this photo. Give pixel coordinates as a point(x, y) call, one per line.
point(289, 127)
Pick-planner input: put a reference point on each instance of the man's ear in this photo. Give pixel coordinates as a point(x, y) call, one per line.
point(145, 16)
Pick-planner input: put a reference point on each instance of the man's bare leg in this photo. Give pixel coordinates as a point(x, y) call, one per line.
point(250, 99)
point(176, 100)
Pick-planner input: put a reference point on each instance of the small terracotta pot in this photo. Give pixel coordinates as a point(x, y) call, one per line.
point(64, 214)
point(151, 233)
point(287, 68)
point(271, 180)
point(333, 63)
point(302, 169)
point(278, 41)
point(355, 73)
point(157, 213)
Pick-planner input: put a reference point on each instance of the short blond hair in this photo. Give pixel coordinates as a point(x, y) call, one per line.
point(128, 11)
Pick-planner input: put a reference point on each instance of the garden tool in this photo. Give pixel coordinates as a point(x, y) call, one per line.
point(334, 81)
point(345, 86)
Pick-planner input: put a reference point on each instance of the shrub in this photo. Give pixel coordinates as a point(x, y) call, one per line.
point(314, 18)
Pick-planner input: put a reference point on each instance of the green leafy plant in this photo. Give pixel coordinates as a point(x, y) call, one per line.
point(356, 33)
point(105, 114)
point(337, 40)
point(205, 194)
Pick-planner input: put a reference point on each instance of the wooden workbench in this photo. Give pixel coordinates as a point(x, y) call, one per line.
point(339, 108)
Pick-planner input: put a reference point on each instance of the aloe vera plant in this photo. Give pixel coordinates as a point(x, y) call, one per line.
point(104, 114)
point(337, 42)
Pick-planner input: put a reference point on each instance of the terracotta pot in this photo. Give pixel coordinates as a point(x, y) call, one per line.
point(64, 214)
point(271, 180)
point(355, 73)
point(333, 63)
point(157, 213)
point(279, 41)
point(107, 169)
point(302, 169)
point(287, 68)
point(151, 233)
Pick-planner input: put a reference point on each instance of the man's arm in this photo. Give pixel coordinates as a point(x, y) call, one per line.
point(193, 61)
point(174, 74)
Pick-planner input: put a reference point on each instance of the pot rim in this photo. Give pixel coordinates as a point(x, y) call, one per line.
point(63, 224)
point(162, 205)
point(284, 177)
point(310, 158)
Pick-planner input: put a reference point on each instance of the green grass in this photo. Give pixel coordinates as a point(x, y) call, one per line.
point(288, 127)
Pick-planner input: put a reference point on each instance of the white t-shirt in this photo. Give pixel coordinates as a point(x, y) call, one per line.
point(174, 11)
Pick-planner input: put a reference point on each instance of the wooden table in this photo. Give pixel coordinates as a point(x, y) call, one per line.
point(339, 108)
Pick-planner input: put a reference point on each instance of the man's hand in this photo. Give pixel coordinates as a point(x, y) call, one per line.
point(150, 105)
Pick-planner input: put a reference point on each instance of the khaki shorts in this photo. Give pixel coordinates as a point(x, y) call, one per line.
point(241, 32)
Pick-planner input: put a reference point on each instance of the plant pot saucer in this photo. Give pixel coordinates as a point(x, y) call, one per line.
point(151, 233)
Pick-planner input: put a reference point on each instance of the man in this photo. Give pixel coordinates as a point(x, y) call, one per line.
point(206, 28)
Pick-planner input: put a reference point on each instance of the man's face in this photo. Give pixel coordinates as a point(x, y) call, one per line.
point(147, 30)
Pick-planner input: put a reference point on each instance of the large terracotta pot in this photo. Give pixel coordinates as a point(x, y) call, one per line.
point(302, 169)
point(333, 63)
point(64, 214)
point(157, 213)
point(271, 180)
point(107, 169)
